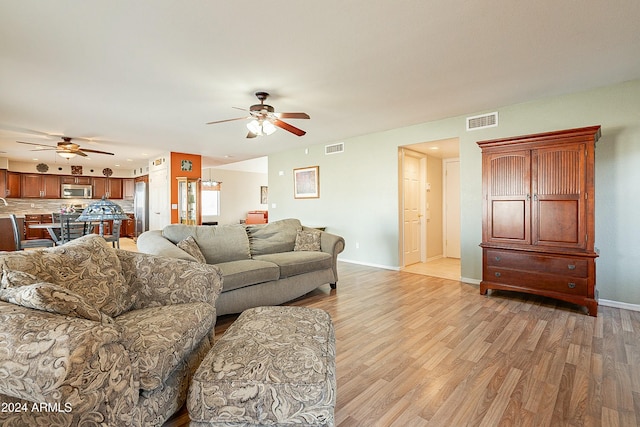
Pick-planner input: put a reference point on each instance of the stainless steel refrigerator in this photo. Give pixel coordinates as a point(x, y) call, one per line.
point(141, 207)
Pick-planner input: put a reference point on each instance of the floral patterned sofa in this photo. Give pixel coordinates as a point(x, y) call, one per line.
point(97, 336)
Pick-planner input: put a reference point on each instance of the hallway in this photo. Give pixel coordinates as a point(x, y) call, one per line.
point(445, 268)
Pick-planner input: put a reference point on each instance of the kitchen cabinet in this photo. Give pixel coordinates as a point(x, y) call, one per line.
point(538, 215)
point(128, 188)
point(40, 186)
point(13, 185)
point(128, 227)
point(3, 182)
point(111, 188)
point(33, 233)
point(78, 180)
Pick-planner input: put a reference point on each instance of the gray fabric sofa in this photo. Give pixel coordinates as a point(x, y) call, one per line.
point(97, 336)
point(258, 262)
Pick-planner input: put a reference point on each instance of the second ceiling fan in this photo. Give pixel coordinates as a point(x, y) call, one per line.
point(66, 148)
point(265, 119)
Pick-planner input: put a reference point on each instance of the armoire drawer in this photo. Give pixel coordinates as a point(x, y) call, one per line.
point(549, 282)
point(566, 266)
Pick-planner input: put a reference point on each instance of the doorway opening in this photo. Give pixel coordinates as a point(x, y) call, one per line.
point(430, 208)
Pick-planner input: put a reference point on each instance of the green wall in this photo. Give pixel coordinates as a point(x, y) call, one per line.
point(359, 188)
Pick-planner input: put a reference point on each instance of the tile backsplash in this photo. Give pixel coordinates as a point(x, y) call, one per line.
point(46, 206)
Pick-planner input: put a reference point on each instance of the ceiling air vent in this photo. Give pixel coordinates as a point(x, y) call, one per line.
point(334, 148)
point(482, 121)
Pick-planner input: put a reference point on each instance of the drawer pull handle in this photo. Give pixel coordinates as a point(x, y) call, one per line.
point(497, 258)
point(572, 285)
point(498, 274)
point(571, 267)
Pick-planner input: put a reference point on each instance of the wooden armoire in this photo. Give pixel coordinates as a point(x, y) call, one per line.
point(538, 215)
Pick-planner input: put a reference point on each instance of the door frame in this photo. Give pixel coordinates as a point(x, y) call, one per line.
point(445, 189)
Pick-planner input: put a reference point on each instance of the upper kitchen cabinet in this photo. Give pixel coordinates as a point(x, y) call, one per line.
point(128, 188)
point(77, 180)
point(40, 186)
point(13, 185)
point(3, 183)
point(111, 188)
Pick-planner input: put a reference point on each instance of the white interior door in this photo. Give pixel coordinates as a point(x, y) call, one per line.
point(412, 232)
point(159, 209)
point(452, 208)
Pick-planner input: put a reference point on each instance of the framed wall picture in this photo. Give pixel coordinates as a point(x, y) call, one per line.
point(264, 194)
point(306, 182)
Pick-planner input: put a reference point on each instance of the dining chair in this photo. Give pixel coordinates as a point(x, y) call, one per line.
point(30, 243)
point(71, 229)
point(114, 237)
point(56, 233)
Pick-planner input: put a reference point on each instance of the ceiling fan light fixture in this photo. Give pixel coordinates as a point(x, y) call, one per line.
point(268, 127)
point(66, 154)
point(261, 127)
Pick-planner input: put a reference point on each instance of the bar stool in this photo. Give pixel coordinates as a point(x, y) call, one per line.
point(31, 243)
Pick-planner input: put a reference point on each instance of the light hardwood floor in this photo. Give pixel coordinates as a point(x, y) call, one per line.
point(445, 268)
point(414, 350)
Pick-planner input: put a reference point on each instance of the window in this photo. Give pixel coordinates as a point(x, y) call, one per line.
point(211, 199)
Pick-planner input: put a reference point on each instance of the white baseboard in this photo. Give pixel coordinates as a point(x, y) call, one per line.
point(618, 304)
point(368, 264)
point(470, 281)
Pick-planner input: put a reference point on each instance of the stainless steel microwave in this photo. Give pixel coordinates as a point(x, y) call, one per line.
point(76, 191)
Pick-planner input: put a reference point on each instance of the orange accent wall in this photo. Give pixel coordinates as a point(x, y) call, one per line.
point(176, 171)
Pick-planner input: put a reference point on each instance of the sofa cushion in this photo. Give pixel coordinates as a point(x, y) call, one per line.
point(274, 237)
point(87, 266)
point(307, 240)
point(220, 243)
point(161, 337)
point(237, 274)
point(294, 263)
point(190, 246)
point(52, 298)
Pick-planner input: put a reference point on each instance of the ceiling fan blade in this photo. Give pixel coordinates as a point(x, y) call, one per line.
point(286, 126)
point(96, 151)
point(227, 120)
point(37, 145)
point(79, 153)
point(251, 135)
point(292, 115)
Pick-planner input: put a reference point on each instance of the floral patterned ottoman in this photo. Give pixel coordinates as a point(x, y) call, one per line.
point(274, 366)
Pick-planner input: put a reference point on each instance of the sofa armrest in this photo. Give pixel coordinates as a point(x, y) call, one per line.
point(331, 244)
point(159, 280)
point(77, 364)
point(154, 243)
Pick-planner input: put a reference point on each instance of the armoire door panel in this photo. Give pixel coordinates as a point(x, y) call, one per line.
point(509, 220)
point(508, 197)
point(558, 186)
point(557, 223)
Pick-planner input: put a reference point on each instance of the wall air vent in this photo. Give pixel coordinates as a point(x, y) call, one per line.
point(482, 121)
point(334, 148)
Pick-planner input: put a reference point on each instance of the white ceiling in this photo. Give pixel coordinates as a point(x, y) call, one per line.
point(143, 77)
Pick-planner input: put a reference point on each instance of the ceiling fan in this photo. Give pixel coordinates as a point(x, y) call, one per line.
point(265, 120)
point(66, 148)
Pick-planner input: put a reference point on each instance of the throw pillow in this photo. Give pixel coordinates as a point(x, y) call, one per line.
point(53, 299)
point(87, 266)
point(13, 278)
point(307, 240)
point(190, 246)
